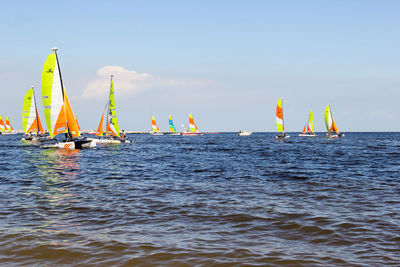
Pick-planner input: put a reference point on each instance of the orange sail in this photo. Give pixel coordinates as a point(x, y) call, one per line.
point(334, 127)
point(304, 129)
point(109, 130)
point(99, 131)
point(72, 124)
point(8, 124)
point(39, 123)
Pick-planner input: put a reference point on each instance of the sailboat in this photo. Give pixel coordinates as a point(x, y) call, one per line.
point(279, 121)
point(333, 131)
point(30, 117)
point(172, 128)
point(308, 129)
point(155, 130)
point(112, 126)
point(9, 127)
point(193, 129)
point(2, 126)
point(57, 109)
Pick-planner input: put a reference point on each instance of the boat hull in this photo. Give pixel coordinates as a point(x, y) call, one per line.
point(108, 141)
point(307, 135)
point(76, 144)
point(244, 133)
point(156, 133)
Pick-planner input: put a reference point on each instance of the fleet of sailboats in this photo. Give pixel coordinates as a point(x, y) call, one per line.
point(60, 119)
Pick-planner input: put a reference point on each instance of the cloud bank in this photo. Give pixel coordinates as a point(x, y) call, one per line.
point(129, 82)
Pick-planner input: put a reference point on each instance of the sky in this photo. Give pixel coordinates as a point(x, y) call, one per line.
point(227, 62)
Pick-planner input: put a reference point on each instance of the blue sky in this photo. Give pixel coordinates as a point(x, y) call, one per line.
point(227, 62)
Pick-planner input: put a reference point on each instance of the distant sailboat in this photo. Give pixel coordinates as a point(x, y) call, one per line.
point(2, 125)
point(57, 109)
point(112, 126)
point(193, 129)
point(279, 121)
point(308, 129)
point(333, 131)
point(172, 128)
point(8, 125)
point(155, 130)
point(30, 117)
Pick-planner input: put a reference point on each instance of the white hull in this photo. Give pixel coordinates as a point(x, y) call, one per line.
point(244, 133)
point(78, 144)
point(108, 141)
point(307, 135)
point(175, 134)
point(278, 137)
point(329, 136)
point(156, 133)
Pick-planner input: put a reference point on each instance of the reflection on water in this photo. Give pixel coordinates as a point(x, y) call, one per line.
point(208, 200)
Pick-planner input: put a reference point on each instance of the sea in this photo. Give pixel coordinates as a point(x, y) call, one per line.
point(210, 200)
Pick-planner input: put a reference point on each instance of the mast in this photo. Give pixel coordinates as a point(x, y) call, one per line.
point(62, 88)
point(330, 114)
point(108, 105)
point(37, 115)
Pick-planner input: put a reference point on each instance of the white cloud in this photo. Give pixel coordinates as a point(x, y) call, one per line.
point(129, 82)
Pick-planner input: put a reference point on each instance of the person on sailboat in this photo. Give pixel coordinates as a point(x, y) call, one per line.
point(123, 136)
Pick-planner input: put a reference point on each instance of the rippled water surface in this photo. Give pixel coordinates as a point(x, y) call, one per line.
point(212, 200)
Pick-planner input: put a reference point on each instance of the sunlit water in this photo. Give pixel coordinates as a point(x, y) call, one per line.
point(206, 200)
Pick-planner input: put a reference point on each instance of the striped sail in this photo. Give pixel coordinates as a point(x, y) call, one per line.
point(53, 97)
point(154, 125)
point(171, 125)
point(112, 127)
point(8, 125)
point(329, 121)
point(192, 126)
point(2, 126)
point(279, 116)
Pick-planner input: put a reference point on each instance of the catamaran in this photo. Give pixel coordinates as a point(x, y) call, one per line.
point(112, 127)
point(57, 109)
point(193, 129)
point(333, 131)
point(308, 129)
point(2, 126)
point(279, 121)
point(155, 130)
point(30, 118)
point(172, 128)
point(9, 127)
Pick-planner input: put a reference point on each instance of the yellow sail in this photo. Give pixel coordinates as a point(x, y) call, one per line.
point(53, 97)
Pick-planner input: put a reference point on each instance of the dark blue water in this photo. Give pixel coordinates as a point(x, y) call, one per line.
point(212, 200)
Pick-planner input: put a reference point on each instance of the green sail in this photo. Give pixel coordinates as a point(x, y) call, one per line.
point(52, 96)
point(311, 121)
point(328, 120)
point(26, 109)
point(112, 112)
